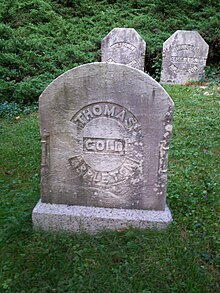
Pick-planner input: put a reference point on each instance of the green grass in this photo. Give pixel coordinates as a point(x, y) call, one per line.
point(184, 258)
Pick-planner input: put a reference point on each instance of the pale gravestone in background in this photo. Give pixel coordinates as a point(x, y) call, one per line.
point(184, 57)
point(105, 131)
point(125, 46)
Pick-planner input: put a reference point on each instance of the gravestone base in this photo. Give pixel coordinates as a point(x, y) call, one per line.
point(60, 217)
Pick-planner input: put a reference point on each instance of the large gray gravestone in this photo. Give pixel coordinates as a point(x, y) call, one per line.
point(125, 46)
point(105, 131)
point(184, 57)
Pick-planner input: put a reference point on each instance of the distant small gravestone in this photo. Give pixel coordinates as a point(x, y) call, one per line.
point(125, 46)
point(184, 57)
point(105, 131)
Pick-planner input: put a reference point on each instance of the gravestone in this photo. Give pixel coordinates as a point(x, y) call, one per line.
point(125, 46)
point(105, 131)
point(184, 57)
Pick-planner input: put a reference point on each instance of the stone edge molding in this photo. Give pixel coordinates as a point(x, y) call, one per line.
point(73, 219)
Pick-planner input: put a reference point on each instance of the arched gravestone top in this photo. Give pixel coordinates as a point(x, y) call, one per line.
point(184, 57)
point(105, 131)
point(125, 46)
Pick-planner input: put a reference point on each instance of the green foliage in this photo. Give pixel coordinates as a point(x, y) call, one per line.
point(213, 74)
point(40, 39)
point(11, 110)
point(184, 258)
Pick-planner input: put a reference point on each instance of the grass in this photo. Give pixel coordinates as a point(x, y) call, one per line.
point(184, 258)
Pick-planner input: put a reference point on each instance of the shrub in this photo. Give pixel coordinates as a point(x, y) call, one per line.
point(40, 39)
point(12, 109)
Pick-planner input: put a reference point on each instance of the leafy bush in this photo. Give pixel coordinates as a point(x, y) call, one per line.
point(40, 39)
point(11, 110)
point(213, 74)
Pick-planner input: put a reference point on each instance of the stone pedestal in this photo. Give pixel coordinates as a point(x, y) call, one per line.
point(60, 217)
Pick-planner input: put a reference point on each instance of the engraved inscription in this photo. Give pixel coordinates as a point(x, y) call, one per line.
point(183, 57)
point(108, 110)
point(111, 144)
point(123, 52)
point(193, 69)
point(174, 68)
point(111, 60)
point(94, 177)
point(125, 45)
point(104, 146)
point(133, 63)
point(186, 47)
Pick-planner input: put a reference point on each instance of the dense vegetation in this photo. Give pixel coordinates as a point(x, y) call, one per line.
point(40, 39)
point(185, 258)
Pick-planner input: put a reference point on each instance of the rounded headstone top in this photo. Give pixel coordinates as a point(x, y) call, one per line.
point(105, 130)
point(103, 71)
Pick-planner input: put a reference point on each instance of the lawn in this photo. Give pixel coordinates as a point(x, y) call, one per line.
point(184, 258)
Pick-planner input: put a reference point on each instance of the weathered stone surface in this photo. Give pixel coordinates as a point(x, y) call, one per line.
point(58, 217)
point(184, 57)
point(125, 46)
point(105, 131)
